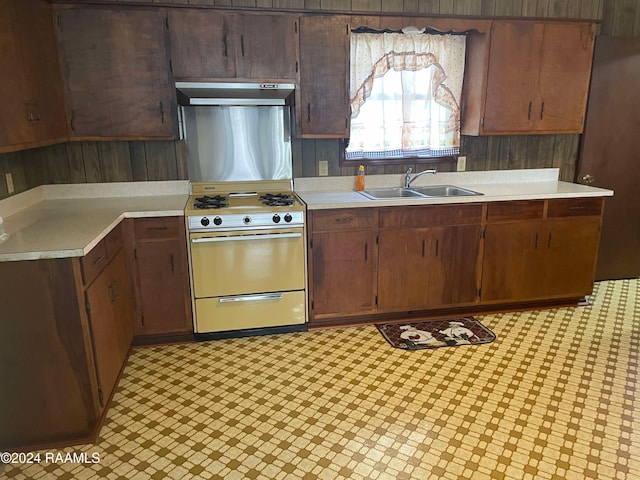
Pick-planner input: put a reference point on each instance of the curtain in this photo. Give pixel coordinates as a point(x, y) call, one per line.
point(405, 94)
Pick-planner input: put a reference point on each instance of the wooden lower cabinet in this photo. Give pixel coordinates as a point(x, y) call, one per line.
point(396, 262)
point(161, 277)
point(547, 258)
point(110, 313)
point(344, 273)
point(343, 263)
point(67, 330)
point(427, 267)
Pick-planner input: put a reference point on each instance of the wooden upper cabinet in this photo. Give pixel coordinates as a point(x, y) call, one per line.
point(537, 78)
point(512, 79)
point(213, 44)
point(272, 56)
point(565, 74)
point(32, 111)
point(323, 97)
point(202, 43)
point(116, 72)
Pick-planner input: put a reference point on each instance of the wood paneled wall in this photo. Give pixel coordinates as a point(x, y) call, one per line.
point(138, 161)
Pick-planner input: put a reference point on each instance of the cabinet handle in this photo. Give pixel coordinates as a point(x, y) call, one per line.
point(158, 228)
point(173, 267)
point(309, 112)
point(423, 248)
point(98, 260)
point(344, 220)
point(162, 112)
point(577, 208)
point(225, 53)
point(437, 246)
point(542, 111)
point(112, 294)
point(366, 251)
point(536, 247)
point(549, 241)
point(242, 44)
point(529, 114)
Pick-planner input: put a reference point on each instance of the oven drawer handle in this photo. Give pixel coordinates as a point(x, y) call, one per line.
point(269, 236)
point(251, 298)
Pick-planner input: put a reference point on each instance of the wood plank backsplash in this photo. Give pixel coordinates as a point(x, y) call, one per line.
point(86, 162)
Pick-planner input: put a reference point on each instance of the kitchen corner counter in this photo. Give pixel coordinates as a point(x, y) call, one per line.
point(505, 185)
point(60, 221)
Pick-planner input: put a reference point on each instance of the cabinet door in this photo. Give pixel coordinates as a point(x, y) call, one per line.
point(453, 266)
point(203, 43)
point(110, 332)
point(569, 249)
point(117, 73)
point(272, 56)
point(344, 273)
point(403, 270)
point(14, 126)
point(565, 70)
point(514, 60)
point(324, 76)
point(509, 260)
point(44, 85)
point(163, 281)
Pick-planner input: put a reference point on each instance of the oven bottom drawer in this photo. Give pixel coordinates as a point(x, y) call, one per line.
point(220, 314)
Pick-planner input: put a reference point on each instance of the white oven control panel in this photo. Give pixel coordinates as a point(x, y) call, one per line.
point(223, 222)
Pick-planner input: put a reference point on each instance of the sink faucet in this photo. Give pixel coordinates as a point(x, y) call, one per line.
point(408, 179)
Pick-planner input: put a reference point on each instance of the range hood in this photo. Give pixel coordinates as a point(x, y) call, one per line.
point(214, 93)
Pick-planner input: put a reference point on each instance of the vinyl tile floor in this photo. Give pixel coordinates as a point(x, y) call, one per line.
point(554, 397)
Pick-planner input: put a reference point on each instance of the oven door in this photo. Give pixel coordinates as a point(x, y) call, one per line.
point(247, 262)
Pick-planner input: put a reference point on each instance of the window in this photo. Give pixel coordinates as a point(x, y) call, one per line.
point(405, 91)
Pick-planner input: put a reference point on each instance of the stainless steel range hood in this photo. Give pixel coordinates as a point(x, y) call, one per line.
point(214, 93)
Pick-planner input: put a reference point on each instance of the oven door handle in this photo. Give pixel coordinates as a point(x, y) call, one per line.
point(251, 298)
point(269, 236)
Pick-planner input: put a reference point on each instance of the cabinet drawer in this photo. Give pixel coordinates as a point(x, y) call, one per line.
point(93, 262)
point(430, 216)
point(113, 242)
point(572, 207)
point(517, 210)
point(159, 228)
point(347, 219)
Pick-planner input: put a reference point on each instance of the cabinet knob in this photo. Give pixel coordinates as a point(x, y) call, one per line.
point(588, 179)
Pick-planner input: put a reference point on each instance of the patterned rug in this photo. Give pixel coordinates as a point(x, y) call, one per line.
point(423, 334)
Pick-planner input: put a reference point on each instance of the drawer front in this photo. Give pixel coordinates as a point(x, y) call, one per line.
point(249, 311)
point(113, 242)
point(159, 228)
point(573, 207)
point(93, 262)
point(430, 216)
point(516, 210)
point(347, 219)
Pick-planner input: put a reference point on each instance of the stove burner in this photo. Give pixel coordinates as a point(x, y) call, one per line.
point(208, 202)
point(277, 199)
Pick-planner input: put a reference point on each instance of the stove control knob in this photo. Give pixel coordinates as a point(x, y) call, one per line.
point(204, 221)
point(247, 220)
point(288, 217)
point(217, 220)
point(276, 218)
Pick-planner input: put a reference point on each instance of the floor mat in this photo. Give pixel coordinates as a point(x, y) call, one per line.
point(422, 334)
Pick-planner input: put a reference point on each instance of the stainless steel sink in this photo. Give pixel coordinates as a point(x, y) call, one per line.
point(385, 193)
point(444, 191)
point(418, 192)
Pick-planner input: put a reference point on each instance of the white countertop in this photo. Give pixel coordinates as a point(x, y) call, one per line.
point(338, 192)
point(58, 221)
